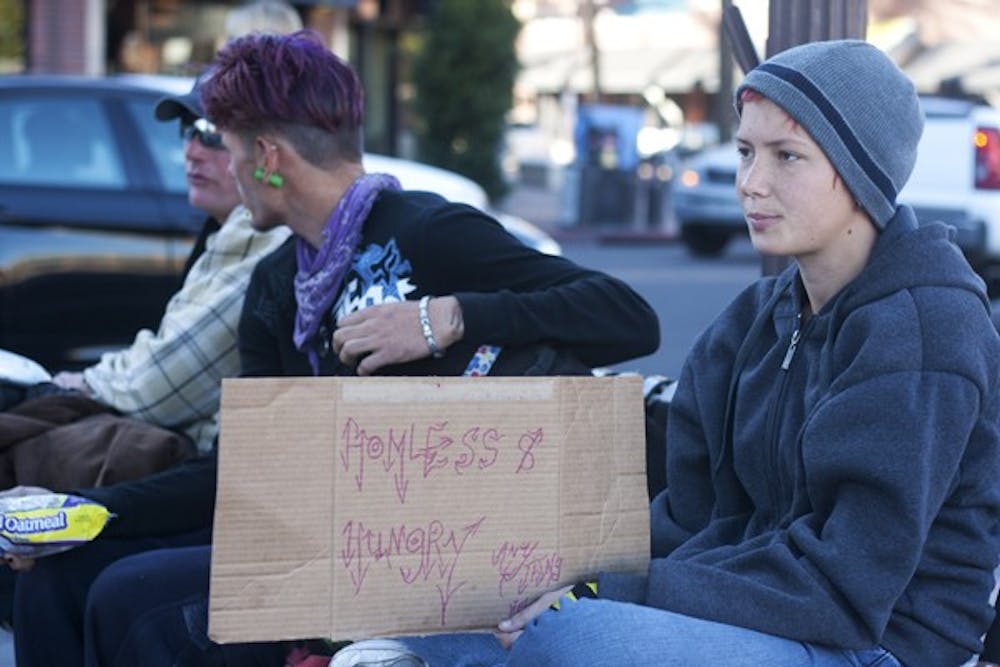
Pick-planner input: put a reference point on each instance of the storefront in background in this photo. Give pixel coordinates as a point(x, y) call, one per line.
point(179, 37)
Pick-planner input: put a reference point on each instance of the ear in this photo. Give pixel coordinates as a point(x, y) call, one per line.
point(266, 153)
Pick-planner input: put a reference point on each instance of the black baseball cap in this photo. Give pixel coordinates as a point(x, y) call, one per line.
point(187, 107)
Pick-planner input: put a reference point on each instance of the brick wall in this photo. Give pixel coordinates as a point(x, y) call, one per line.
point(63, 36)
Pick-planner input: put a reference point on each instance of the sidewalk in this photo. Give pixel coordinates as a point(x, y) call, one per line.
point(549, 209)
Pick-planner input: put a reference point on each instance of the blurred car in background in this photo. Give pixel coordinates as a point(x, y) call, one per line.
point(956, 180)
point(706, 207)
point(94, 220)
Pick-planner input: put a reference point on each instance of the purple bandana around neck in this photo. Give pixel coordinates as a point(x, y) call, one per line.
point(320, 272)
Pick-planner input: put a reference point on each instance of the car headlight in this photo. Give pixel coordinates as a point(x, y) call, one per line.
point(690, 178)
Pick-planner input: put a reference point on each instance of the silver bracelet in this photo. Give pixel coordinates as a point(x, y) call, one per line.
point(425, 324)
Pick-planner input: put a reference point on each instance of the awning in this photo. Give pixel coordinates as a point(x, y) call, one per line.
point(670, 49)
point(974, 63)
point(626, 71)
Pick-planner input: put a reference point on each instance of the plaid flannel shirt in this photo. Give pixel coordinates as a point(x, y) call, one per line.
point(172, 377)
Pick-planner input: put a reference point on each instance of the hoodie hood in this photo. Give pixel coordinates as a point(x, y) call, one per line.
point(908, 255)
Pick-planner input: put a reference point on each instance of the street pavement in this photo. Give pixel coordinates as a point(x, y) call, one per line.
point(551, 210)
point(685, 292)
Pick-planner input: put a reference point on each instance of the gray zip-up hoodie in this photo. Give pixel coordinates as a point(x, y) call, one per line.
point(842, 489)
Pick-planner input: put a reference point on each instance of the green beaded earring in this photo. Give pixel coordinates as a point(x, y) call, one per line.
point(274, 180)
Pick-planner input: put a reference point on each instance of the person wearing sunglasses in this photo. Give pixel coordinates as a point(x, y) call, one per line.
point(202, 130)
point(170, 377)
point(444, 289)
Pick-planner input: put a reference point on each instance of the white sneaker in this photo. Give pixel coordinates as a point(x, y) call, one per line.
point(377, 653)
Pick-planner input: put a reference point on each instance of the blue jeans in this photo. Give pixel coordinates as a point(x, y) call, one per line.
point(151, 609)
point(50, 601)
point(121, 603)
point(604, 632)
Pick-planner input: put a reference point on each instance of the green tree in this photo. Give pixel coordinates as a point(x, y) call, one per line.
point(11, 25)
point(463, 76)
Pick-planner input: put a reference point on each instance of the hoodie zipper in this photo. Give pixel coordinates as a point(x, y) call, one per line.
point(787, 361)
point(776, 411)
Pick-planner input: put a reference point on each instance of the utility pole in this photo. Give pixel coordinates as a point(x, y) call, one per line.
point(724, 112)
point(794, 22)
point(588, 12)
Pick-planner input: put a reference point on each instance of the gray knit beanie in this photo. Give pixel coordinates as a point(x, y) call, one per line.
point(857, 105)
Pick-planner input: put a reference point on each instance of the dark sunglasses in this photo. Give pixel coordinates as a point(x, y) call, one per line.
point(205, 132)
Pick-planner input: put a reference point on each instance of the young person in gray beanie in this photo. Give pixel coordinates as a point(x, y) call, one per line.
point(834, 442)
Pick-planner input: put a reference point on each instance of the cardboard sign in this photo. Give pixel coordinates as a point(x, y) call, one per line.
point(358, 507)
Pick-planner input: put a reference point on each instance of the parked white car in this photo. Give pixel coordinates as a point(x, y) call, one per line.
point(957, 177)
point(956, 180)
point(457, 188)
point(705, 202)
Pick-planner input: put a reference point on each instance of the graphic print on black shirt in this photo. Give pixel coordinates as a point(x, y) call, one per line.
point(379, 275)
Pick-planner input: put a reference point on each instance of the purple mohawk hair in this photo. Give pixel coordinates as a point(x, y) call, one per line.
point(265, 80)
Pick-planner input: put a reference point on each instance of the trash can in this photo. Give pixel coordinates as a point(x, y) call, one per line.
point(607, 196)
point(607, 158)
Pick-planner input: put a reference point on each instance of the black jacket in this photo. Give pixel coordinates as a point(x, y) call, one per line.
point(550, 316)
